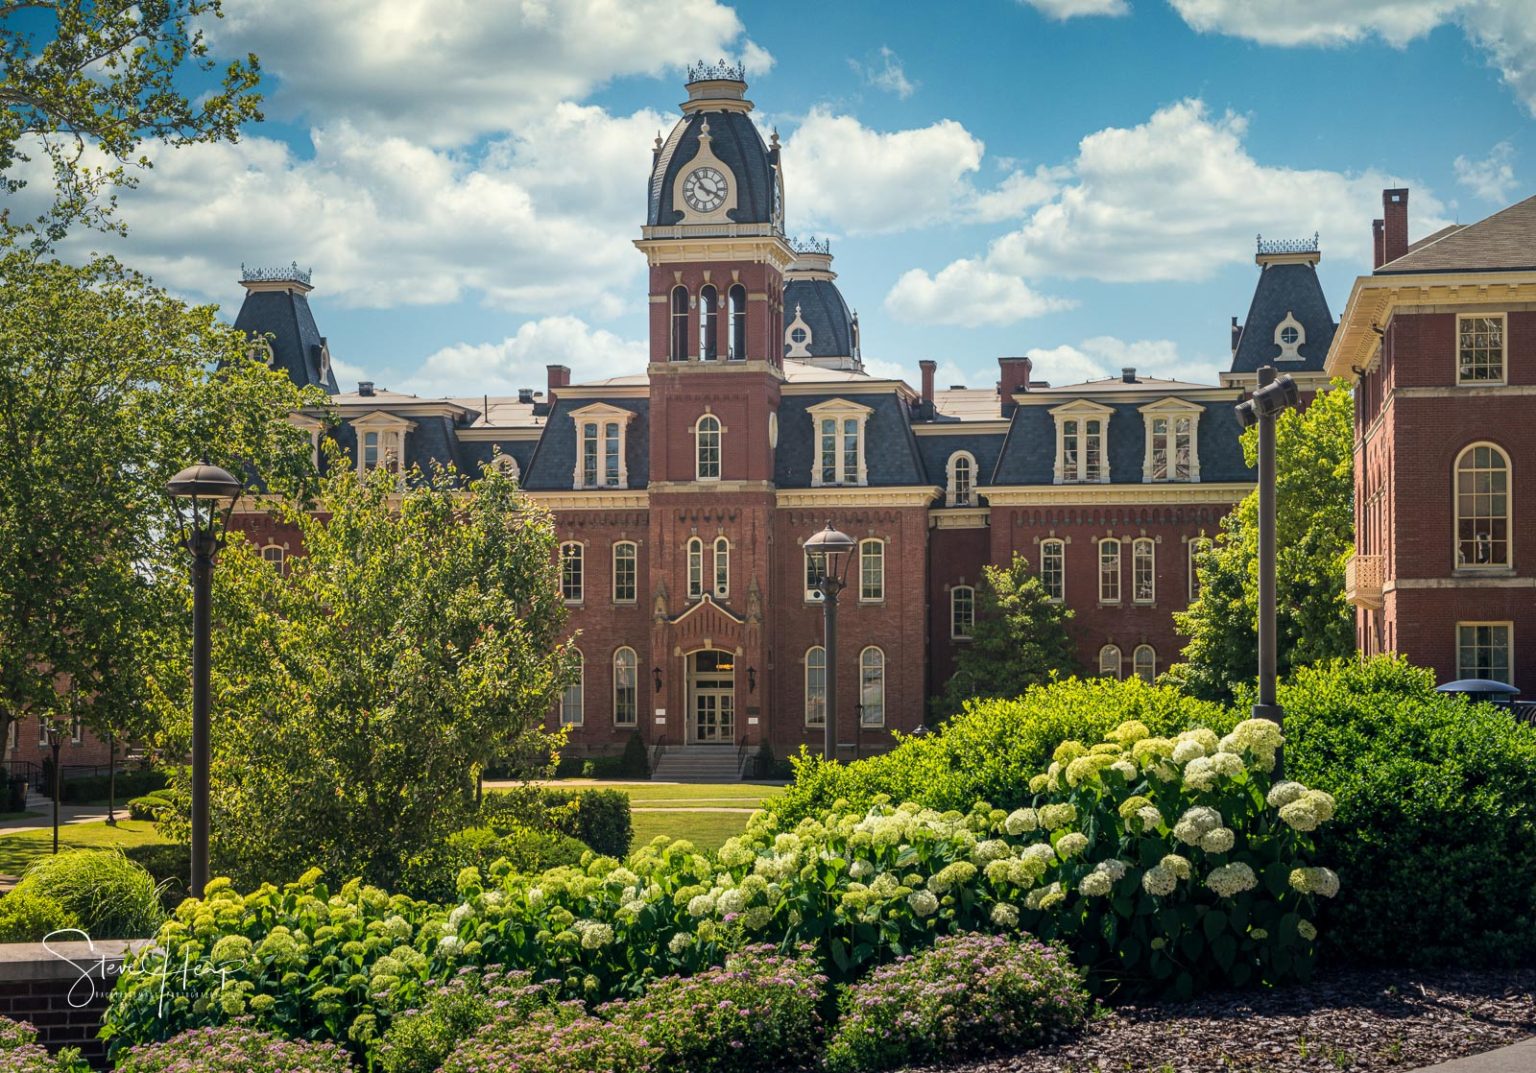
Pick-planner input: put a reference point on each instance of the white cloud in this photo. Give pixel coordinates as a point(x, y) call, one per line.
point(537, 223)
point(1017, 193)
point(839, 174)
point(446, 71)
point(1069, 9)
point(519, 360)
point(1492, 178)
point(1178, 198)
point(967, 293)
point(887, 73)
point(1105, 355)
point(1506, 30)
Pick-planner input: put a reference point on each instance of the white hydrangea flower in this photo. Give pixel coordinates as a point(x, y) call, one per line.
point(1055, 817)
point(1306, 929)
point(1200, 773)
point(1204, 735)
point(1040, 852)
point(1005, 915)
point(1021, 821)
point(1127, 770)
point(1185, 751)
point(1218, 841)
point(680, 942)
point(1228, 764)
point(1115, 868)
point(1320, 881)
point(1322, 804)
point(1231, 879)
point(1149, 817)
point(1283, 793)
point(701, 905)
point(456, 917)
point(1300, 815)
point(990, 850)
point(859, 869)
point(1071, 844)
point(1179, 866)
point(1159, 881)
point(1096, 884)
point(731, 901)
point(1045, 897)
point(923, 902)
point(1195, 822)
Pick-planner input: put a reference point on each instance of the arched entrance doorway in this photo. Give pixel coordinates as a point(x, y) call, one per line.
point(712, 697)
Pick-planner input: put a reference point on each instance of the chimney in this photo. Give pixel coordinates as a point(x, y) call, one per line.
point(1128, 374)
point(1014, 378)
point(525, 395)
point(559, 376)
point(365, 388)
point(929, 367)
point(1394, 211)
point(1378, 241)
point(1237, 333)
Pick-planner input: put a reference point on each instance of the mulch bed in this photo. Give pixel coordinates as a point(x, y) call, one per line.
point(1376, 1020)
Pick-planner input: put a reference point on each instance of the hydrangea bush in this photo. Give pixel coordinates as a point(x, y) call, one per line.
point(967, 995)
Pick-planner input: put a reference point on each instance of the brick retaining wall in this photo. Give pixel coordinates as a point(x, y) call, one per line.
point(62, 990)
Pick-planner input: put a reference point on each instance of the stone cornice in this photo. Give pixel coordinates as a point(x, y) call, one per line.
point(990, 426)
point(660, 488)
point(843, 496)
point(960, 518)
point(493, 433)
point(636, 499)
point(1223, 493)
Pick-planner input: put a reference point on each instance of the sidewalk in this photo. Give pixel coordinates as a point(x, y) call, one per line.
point(1516, 1058)
point(67, 814)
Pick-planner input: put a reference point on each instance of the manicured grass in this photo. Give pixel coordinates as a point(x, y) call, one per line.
point(706, 830)
point(726, 794)
point(20, 849)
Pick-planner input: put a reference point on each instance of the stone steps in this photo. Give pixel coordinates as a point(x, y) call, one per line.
point(698, 763)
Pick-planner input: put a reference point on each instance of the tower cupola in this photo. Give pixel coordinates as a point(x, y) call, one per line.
point(277, 318)
point(819, 329)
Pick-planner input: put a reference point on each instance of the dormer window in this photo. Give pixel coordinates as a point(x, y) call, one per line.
point(797, 337)
point(961, 483)
point(839, 443)
point(1289, 335)
point(381, 441)
point(601, 460)
point(1172, 448)
point(1082, 428)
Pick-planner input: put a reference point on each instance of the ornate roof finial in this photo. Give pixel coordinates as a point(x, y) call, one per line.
point(773, 142)
point(704, 130)
point(657, 147)
point(719, 71)
point(797, 310)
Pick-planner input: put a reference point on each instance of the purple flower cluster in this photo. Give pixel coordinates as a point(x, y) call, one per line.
point(968, 994)
point(21, 1053)
point(556, 1039)
point(234, 1049)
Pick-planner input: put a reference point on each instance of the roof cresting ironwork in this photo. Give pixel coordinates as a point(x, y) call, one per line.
point(811, 244)
point(275, 275)
point(1288, 245)
point(720, 70)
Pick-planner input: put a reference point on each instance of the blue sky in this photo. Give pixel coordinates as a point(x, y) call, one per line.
point(1076, 179)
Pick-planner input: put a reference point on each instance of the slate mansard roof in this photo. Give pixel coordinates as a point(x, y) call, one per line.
point(1285, 289)
point(734, 138)
point(820, 305)
point(281, 314)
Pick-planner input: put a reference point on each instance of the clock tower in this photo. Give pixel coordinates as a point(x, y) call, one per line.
point(714, 240)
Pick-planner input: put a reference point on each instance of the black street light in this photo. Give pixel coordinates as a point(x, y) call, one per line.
point(204, 496)
point(54, 740)
point(1271, 397)
point(830, 552)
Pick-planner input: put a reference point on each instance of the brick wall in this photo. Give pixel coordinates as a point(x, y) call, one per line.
point(63, 991)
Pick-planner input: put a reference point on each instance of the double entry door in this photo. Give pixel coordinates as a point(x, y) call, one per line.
point(712, 697)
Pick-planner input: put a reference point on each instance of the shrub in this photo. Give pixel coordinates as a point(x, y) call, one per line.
point(559, 1039)
point(112, 897)
point(987, 752)
point(149, 806)
point(636, 761)
point(433, 875)
point(1435, 834)
point(29, 918)
point(171, 866)
point(725, 1020)
point(452, 1010)
point(21, 1053)
point(234, 1049)
point(968, 995)
point(600, 818)
point(99, 787)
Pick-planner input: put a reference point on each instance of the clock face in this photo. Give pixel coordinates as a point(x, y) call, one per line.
point(704, 189)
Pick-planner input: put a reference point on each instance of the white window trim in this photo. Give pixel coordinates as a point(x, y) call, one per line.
point(1062, 544)
point(1503, 379)
point(581, 559)
point(1119, 674)
point(839, 410)
point(802, 349)
point(1137, 545)
point(698, 460)
point(880, 543)
point(635, 661)
point(614, 571)
point(1119, 569)
point(1172, 409)
point(601, 413)
point(1081, 410)
point(694, 554)
point(1509, 511)
point(505, 464)
point(951, 492)
point(580, 686)
point(883, 666)
point(807, 677)
point(315, 428)
point(953, 604)
point(720, 558)
point(1509, 627)
point(1136, 661)
point(76, 731)
point(392, 431)
point(281, 562)
point(1289, 351)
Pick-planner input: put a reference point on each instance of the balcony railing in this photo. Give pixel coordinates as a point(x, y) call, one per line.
point(1362, 580)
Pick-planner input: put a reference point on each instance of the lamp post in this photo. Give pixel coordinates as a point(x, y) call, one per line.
point(53, 746)
point(830, 552)
point(203, 495)
point(1273, 395)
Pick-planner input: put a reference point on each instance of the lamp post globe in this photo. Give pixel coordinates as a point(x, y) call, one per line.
point(830, 552)
point(203, 496)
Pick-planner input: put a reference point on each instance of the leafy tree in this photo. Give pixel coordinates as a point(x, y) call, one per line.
point(1019, 639)
point(417, 639)
point(87, 83)
point(108, 386)
point(1314, 535)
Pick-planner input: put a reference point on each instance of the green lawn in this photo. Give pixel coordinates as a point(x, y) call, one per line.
point(19, 849)
point(705, 829)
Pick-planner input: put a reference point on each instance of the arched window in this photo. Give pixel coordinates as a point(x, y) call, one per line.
point(679, 348)
point(872, 688)
point(1482, 507)
point(571, 581)
point(695, 568)
point(738, 307)
point(706, 443)
point(625, 572)
point(722, 568)
point(815, 686)
point(1109, 571)
point(1053, 568)
point(962, 612)
point(572, 700)
point(274, 554)
point(504, 464)
point(1144, 571)
point(709, 324)
point(1109, 662)
point(871, 570)
point(962, 480)
point(626, 693)
point(1144, 662)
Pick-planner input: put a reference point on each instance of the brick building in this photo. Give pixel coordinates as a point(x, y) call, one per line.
point(1441, 341)
point(683, 492)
